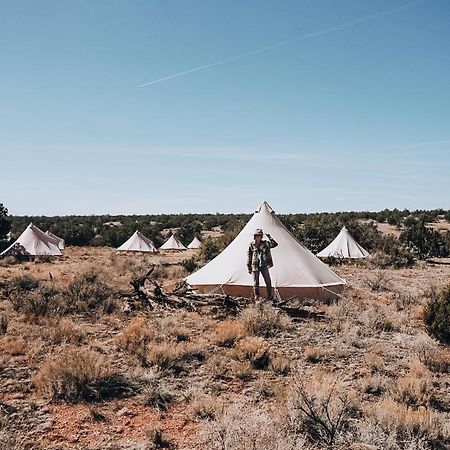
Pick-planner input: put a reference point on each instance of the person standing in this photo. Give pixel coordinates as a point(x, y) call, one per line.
point(259, 261)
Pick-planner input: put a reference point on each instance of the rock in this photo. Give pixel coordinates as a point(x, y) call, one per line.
point(124, 412)
point(46, 425)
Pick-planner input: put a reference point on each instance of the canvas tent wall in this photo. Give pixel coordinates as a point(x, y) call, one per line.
point(344, 246)
point(195, 243)
point(137, 243)
point(296, 271)
point(61, 244)
point(34, 242)
point(172, 244)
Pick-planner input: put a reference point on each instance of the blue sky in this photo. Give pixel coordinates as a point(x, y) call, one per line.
point(351, 119)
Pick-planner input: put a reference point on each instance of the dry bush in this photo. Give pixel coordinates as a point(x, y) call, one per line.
point(169, 328)
point(264, 320)
point(281, 365)
point(3, 324)
point(228, 333)
point(160, 394)
point(254, 350)
point(240, 427)
point(174, 357)
point(379, 281)
point(219, 366)
point(67, 332)
point(375, 385)
point(436, 359)
point(437, 315)
point(412, 391)
point(156, 439)
point(79, 374)
point(89, 291)
point(406, 423)
point(135, 338)
point(242, 370)
point(13, 346)
point(315, 354)
point(321, 409)
point(374, 362)
point(205, 407)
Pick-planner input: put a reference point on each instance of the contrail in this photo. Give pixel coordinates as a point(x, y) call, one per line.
point(314, 34)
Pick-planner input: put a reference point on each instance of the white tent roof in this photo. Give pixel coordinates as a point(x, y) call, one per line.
point(137, 243)
point(294, 265)
point(172, 244)
point(36, 242)
point(61, 243)
point(196, 243)
point(344, 246)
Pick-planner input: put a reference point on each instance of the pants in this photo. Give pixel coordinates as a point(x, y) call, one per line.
point(264, 271)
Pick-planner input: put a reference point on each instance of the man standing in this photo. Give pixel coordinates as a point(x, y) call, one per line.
point(259, 261)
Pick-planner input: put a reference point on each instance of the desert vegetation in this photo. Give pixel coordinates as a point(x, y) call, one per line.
point(368, 371)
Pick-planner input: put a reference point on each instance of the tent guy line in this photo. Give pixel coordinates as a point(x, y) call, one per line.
point(311, 35)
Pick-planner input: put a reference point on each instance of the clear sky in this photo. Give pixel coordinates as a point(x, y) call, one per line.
point(352, 114)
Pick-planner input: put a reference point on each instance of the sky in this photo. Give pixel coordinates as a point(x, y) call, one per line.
point(166, 106)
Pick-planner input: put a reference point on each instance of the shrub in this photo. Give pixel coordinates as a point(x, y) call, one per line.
point(160, 395)
point(65, 331)
point(189, 264)
point(392, 253)
point(210, 249)
point(281, 365)
point(321, 411)
point(228, 333)
point(205, 407)
point(264, 320)
point(157, 439)
point(37, 303)
point(89, 291)
point(437, 360)
point(3, 324)
point(437, 316)
point(173, 357)
point(255, 350)
point(135, 338)
point(79, 375)
point(315, 354)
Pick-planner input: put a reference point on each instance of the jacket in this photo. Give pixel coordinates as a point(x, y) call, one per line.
point(260, 256)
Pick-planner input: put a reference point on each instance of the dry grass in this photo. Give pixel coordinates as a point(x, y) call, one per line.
point(264, 320)
point(76, 375)
point(254, 350)
point(67, 332)
point(228, 333)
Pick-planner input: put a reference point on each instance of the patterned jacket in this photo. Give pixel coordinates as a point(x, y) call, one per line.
point(260, 256)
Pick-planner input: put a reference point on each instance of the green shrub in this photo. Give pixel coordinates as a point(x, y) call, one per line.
point(189, 264)
point(437, 316)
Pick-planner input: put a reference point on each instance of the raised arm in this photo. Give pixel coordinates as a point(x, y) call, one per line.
point(272, 242)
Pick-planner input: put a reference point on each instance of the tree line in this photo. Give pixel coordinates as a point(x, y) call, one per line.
point(417, 238)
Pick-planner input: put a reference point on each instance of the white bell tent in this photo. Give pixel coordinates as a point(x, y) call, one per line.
point(137, 243)
point(195, 243)
point(344, 246)
point(296, 271)
point(172, 244)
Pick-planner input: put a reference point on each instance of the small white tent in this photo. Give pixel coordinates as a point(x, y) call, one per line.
point(296, 271)
point(137, 243)
point(344, 246)
point(35, 242)
point(172, 244)
point(61, 244)
point(195, 243)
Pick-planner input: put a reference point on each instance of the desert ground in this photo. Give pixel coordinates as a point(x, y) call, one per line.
point(359, 373)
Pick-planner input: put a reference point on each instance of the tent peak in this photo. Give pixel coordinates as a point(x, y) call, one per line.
point(265, 207)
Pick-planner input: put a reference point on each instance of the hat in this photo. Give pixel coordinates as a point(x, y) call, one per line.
point(258, 232)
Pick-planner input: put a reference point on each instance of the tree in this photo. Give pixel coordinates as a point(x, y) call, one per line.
point(5, 226)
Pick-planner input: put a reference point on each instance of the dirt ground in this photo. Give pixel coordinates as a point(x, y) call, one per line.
point(371, 345)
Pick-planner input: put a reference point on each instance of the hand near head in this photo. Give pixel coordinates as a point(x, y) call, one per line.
point(268, 235)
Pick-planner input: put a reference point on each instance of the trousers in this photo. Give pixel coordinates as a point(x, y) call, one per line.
point(264, 271)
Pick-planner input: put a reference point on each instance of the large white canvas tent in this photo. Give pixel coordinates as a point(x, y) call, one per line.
point(172, 244)
point(34, 242)
point(344, 246)
point(296, 271)
point(137, 243)
point(195, 243)
point(61, 243)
